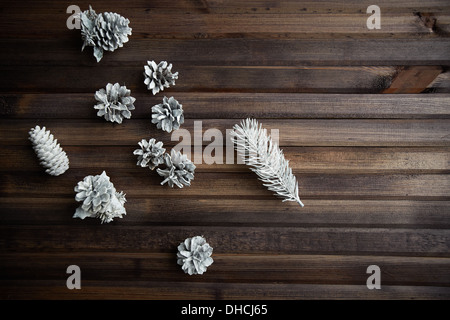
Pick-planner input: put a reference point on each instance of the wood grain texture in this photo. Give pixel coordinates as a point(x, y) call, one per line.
point(373, 169)
point(413, 79)
point(230, 105)
point(311, 132)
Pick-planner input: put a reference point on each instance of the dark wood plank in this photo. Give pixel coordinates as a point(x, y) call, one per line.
point(238, 185)
point(216, 105)
point(244, 240)
point(228, 268)
point(162, 24)
point(302, 159)
point(146, 290)
point(238, 6)
point(312, 132)
point(238, 52)
point(238, 212)
point(323, 7)
point(200, 78)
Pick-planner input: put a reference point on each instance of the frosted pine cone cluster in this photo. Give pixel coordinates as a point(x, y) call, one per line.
point(194, 255)
point(115, 103)
point(179, 170)
point(151, 153)
point(168, 115)
point(106, 31)
point(50, 154)
point(159, 76)
point(99, 199)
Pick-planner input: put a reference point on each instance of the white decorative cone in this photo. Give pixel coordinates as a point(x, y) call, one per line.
point(99, 199)
point(194, 255)
point(179, 169)
point(159, 76)
point(114, 103)
point(105, 31)
point(49, 152)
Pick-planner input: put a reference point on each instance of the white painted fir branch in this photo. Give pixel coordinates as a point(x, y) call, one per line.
point(266, 159)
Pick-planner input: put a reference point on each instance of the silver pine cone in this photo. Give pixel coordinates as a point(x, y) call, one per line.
point(49, 152)
point(179, 169)
point(194, 255)
point(168, 115)
point(106, 31)
point(159, 76)
point(151, 153)
point(99, 199)
point(115, 102)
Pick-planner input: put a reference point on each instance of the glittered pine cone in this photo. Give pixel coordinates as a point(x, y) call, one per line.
point(194, 255)
point(50, 154)
point(179, 170)
point(99, 199)
point(168, 115)
point(115, 103)
point(159, 76)
point(151, 153)
point(106, 31)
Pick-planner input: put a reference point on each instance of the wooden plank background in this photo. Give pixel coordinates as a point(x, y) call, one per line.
point(373, 168)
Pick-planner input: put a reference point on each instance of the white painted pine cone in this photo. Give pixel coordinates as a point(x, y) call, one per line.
point(151, 153)
point(99, 199)
point(106, 31)
point(194, 255)
point(49, 152)
point(179, 169)
point(168, 115)
point(159, 76)
point(114, 102)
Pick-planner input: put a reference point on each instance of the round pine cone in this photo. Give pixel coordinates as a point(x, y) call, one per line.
point(179, 170)
point(168, 115)
point(115, 102)
point(159, 76)
point(151, 153)
point(194, 255)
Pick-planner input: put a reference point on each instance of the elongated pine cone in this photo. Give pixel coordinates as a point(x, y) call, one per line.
point(106, 31)
point(159, 76)
point(115, 103)
point(151, 153)
point(49, 152)
point(179, 169)
point(168, 115)
point(194, 255)
point(99, 199)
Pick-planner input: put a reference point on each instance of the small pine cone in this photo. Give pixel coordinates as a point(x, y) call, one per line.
point(151, 153)
point(49, 152)
point(115, 102)
point(105, 31)
point(159, 76)
point(99, 199)
point(168, 115)
point(194, 255)
point(179, 169)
